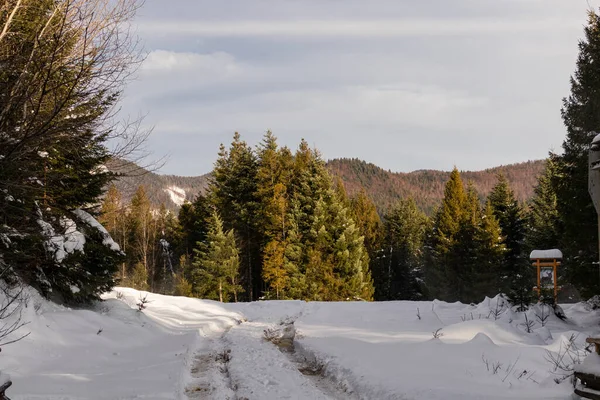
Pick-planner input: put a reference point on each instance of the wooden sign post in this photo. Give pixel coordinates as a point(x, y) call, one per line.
point(547, 263)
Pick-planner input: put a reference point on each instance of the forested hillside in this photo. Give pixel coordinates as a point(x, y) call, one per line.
point(384, 187)
point(427, 186)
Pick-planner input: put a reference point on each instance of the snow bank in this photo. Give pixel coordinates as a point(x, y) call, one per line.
point(383, 351)
point(112, 351)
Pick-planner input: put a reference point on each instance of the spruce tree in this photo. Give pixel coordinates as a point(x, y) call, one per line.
point(233, 191)
point(350, 256)
point(543, 219)
point(274, 270)
point(464, 253)
point(490, 255)
point(193, 224)
point(443, 274)
point(294, 256)
point(364, 214)
point(515, 272)
point(216, 264)
point(324, 257)
point(399, 267)
point(579, 221)
point(321, 283)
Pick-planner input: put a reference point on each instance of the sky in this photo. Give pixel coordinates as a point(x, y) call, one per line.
point(403, 84)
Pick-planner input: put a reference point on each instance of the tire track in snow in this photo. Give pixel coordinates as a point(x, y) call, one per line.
point(307, 363)
point(260, 371)
point(316, 371)
point(209, 371)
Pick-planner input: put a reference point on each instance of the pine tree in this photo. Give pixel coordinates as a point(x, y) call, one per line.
point(543, 219)
point(399, 268)
point(490, 255)
point(193, 223)
point(320, 280)
point(273, 178)
point(364, 213)
point(232, 190)
point(350, 257)
point(444, 275)
point(464, 252)
point(216, 264)
point(515, 270)
point(139, 277)
point(275, 273)
point(294, 256)
point(579, 229)
point(182, 287)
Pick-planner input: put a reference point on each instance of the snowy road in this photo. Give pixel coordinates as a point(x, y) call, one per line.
point(183, 349)
point(241, 364)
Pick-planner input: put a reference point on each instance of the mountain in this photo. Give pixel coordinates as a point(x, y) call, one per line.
point(427, 186)
point(170, 190)
point(384, 187)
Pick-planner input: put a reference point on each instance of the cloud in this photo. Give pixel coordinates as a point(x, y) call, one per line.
point(164, 61)
point(356, 28)
point(406, 85)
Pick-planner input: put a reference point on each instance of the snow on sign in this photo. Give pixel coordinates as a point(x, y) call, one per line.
point(546, 254)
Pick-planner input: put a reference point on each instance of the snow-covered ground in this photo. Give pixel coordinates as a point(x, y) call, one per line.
point(180, 348)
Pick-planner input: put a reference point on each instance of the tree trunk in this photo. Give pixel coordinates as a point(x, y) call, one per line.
point(220, 291)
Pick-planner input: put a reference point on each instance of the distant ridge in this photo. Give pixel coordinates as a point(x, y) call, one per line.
point(384, 187)
point(427, 186)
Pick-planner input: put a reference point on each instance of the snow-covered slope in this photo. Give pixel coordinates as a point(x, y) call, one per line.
point(176, 194)
point(180, 348)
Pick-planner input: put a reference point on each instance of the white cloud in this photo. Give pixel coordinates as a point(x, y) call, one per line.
point(164, 61)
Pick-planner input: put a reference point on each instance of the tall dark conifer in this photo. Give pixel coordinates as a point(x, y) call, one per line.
point(399, 266)
point(232, 190)
point(515, 275)
point(543, 219)
point(581, 116)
